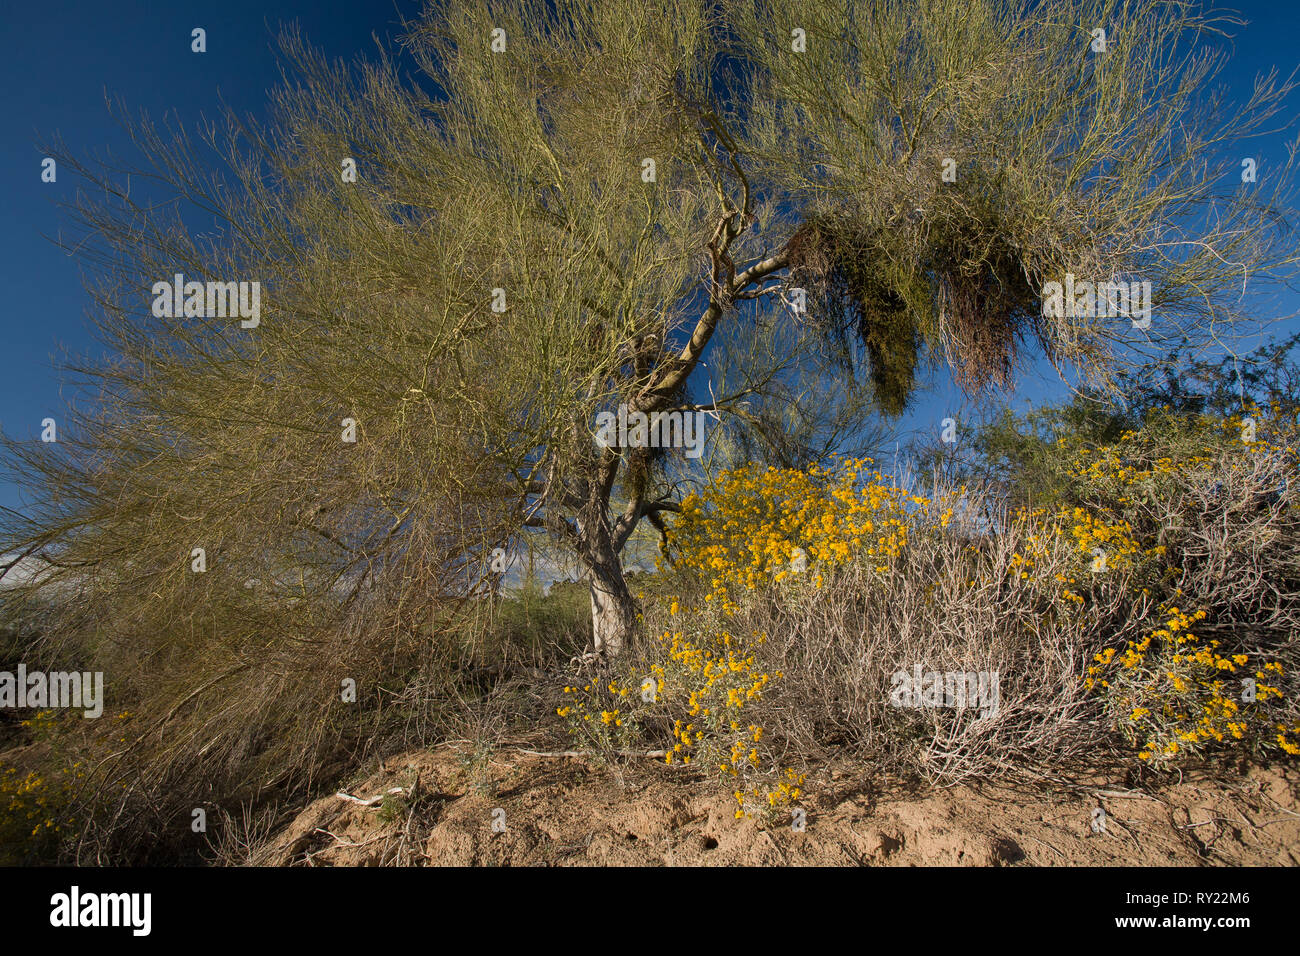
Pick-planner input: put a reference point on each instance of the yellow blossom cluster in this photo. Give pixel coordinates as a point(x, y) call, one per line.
point(1112, 541)
point(33, 806)
point(1170, 692)
point(603, 713)
point(713, 682)
point(701, 695)
point(756, 526)
point(1127, 468)
point(771, 801)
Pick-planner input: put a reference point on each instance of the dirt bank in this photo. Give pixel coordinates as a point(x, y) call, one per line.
point(521, 809)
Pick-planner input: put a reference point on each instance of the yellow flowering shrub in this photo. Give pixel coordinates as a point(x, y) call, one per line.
point(603, 713)
point(791, 600)
point(709, 686)
point(699, 697)
point(757, 526)
point(1168, 690)
point(34, 812)
point(1172, 693)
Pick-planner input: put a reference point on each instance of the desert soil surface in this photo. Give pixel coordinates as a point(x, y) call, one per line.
point(517, 808)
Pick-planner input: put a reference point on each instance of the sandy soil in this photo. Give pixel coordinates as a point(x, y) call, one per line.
point(520, 809)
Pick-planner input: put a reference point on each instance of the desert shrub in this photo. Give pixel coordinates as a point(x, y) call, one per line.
point(40, 777)
point(600, 715)
point(1085, 613)
point(251, 714)
point(34, 815)
point(1213, 663)
point(937, 593)
point(695, 692)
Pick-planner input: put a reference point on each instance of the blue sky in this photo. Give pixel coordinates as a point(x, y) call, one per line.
point(60, 59)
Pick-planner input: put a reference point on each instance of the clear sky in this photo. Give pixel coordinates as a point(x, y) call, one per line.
point(61, 58)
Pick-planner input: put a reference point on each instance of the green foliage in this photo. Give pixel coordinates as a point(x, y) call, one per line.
point(529, 624)
point(1029, 457)
point(1061, 159)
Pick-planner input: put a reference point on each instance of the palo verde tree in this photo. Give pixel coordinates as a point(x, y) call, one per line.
point(559, 214)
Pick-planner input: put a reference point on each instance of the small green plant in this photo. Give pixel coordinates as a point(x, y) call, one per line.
point(394, 809)
point(474, 766)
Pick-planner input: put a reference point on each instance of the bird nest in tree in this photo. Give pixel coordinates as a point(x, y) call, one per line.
point(951, 291)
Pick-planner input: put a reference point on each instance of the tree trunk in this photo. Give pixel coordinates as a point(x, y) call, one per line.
point(613, 610)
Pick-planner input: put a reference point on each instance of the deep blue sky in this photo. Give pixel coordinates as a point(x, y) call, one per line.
point(60, 58)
